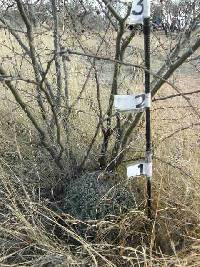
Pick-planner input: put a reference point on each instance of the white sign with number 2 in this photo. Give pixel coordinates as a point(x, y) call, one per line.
point(131, 103)
point(140, 10)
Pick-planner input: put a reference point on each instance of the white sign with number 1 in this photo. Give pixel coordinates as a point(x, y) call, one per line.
point(139, 168)
point(140, 10)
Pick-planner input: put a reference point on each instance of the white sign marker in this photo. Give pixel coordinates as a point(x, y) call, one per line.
point(128, 103)
point(139, 168)
point(140, 10)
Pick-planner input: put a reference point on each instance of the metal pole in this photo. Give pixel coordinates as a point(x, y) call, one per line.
point(146, 30)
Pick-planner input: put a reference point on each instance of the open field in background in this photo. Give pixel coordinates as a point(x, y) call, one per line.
point(176, 180)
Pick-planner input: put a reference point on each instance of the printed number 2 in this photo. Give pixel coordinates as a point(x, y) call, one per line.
point(140, 3)
point(140, 105)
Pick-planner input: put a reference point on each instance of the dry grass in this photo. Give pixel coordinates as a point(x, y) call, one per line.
point(30, 234)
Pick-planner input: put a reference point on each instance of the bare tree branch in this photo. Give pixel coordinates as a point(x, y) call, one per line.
point(57, 52)
point(112, 10)
point(176, 95)
point(43, 136)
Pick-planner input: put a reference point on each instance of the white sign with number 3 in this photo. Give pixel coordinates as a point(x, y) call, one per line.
point(140, 10)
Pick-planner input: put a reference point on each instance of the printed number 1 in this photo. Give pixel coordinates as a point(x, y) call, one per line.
point(141, 168)
point(140, 3)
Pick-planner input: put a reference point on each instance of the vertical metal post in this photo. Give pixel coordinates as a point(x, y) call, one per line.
point(146, 31)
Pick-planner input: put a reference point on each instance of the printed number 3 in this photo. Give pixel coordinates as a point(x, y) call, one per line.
point(140, 3)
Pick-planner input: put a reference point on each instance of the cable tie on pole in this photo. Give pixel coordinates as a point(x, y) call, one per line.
point(149, 165)
point(148, 100)
point(148, 156)
point(146, 13)
point(149, 169)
